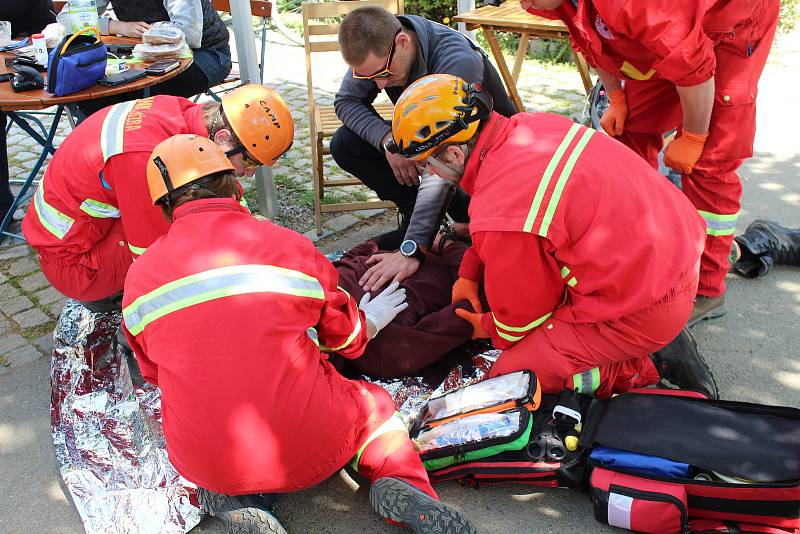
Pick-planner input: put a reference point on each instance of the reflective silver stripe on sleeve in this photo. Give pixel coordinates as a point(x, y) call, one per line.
point(99, 210)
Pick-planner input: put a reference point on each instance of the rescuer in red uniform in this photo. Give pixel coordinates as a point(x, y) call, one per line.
point(688, 65)
point(232, 318)
point(589, 258)
point(92, 215)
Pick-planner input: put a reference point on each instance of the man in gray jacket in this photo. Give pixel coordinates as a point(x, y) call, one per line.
point(388, 52)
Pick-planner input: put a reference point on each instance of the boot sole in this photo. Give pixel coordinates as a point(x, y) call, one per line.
point(238, 519)
point(715, 393)
point(716, 313)
point(405, 504)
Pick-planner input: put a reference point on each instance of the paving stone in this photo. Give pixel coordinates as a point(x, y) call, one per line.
point(11, 342)
point(3, 278)
point(14, 252)
point(48, 296)
point(23, 355)
point(31, 283)
point(31, 318)
point(5, 326)
point(368, 214)
point(7, 291)
point(22, 266)
point(312, 234)
point(342, 222)
point(57, 307)
point(15, 305)
point(45, 343)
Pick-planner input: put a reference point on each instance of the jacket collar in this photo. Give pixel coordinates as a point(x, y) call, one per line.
point(207, 204)
point(489, 137)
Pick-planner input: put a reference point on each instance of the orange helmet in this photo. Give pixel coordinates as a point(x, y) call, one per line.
point(436, 109)
point(183, 159)
point(261, 120)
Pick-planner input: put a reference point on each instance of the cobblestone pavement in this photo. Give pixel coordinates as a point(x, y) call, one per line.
point(29, 307)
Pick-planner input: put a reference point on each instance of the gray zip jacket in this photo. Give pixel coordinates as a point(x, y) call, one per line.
point(442, 50)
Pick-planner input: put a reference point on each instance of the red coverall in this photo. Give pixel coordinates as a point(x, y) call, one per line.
point(589, 257)
point(654, 46)
point(92, 213)
point(228, 316)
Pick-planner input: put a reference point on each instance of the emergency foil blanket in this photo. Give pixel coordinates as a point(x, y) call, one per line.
point(107, 433)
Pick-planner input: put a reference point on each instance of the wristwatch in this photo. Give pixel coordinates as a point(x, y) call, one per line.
point(410, 249)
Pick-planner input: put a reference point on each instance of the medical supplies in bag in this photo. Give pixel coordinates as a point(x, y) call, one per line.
point(744, 463)
point(77, 62)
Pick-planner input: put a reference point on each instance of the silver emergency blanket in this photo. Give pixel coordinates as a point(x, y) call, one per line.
point(107, 432)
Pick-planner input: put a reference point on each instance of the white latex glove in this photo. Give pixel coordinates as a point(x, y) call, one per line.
point(382, 309)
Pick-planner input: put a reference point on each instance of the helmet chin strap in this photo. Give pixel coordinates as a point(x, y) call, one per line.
point(442, 166)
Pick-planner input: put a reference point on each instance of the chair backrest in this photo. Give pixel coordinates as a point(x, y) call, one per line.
point(259, 8)
point(321, 28)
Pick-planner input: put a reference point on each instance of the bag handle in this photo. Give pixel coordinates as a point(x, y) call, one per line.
point(74, 35)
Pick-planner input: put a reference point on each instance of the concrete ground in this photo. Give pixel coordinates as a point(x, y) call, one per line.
point(753, 351)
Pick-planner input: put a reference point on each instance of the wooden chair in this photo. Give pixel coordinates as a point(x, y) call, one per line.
point(320, 29)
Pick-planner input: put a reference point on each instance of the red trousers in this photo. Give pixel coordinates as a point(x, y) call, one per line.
point(602, 358)
point(94, 275)
point(389, 452)
point(713, 186)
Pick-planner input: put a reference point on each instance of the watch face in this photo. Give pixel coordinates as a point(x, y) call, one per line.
point(408, 248)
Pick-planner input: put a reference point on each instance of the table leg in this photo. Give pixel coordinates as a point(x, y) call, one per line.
point(501, 65)
point(21, 196)
point(6, 197)
point(522, 51)
point(583, 69)
point(22, 122)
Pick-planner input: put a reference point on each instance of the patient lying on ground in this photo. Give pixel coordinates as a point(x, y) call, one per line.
point(424, 332)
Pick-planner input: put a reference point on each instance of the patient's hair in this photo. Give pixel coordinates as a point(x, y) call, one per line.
point(367, 29)
point(218, 185)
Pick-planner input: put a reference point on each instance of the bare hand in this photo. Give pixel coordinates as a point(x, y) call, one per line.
point(405, 170)
point(385, 267)
point(128, 29)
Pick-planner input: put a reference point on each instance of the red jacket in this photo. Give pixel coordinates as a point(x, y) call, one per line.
point(97, 176)
point(569, 222)
point(223, 313)
point(646, 39)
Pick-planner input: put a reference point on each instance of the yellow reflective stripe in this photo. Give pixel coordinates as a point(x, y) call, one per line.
point(562, 181)
point(99, 210)
point(54, 221)
point(548, 174)
point(572, 281)
point(136, 250)
point(350, 338)
point(564, 272)
point(393, 424)
point(635, 74)
point(215, 284)
point(587, 382)
point(509, 337)
point(525, 328)
point(111, 133)
point(718, 224)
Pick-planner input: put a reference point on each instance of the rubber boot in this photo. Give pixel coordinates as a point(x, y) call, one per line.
point(765, 244)
point(400, 502)
point(243, 514)
point(680, 364)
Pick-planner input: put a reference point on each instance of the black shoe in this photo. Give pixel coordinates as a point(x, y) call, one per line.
point(400, 502)
point(680, 364)
point(765, 243)
point(243, 514)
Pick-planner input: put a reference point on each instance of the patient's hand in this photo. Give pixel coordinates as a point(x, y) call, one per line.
point(389, 266)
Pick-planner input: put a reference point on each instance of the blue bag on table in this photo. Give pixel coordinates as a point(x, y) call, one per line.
point(76, 63)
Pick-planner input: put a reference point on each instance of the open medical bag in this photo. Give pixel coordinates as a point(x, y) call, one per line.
point(501, 430)
point(741, 461)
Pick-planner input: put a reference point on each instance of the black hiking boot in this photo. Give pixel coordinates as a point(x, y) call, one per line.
point(706, 308)
point(402, 503)
point(765, 244)
point(243, 514)
point(680, 364)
